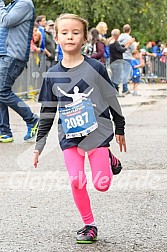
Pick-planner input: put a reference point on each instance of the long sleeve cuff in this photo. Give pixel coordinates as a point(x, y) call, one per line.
point(47, 116)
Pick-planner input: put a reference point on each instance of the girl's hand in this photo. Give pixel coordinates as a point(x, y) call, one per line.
point(121, 141)
point(35, 158)
point(38, 50)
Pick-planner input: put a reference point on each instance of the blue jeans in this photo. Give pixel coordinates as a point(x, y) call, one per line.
point(127, 72)
point(10, 69)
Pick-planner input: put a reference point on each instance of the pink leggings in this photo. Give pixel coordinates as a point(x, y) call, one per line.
point(101, 176)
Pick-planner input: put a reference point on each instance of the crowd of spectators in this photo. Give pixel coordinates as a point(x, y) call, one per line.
point(115, 52)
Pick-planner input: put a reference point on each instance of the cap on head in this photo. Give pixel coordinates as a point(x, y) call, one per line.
point(142, 50)
point(50, 22)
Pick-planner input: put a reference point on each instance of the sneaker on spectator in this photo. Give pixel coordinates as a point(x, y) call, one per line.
point(87, 234)
point(116, 166)
point(136, 94)
point(120, 95)
point(126, 92)
point(31, 130)
point(153, 75)
point(142, 81)
point(6, 139)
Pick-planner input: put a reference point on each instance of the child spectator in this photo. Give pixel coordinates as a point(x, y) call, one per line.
point(136, 63)
point(36, 42)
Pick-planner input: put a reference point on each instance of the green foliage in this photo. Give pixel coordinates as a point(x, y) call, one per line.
point(147, 18)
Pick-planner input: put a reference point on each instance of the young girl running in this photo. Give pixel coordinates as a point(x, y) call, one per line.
point(80, 89)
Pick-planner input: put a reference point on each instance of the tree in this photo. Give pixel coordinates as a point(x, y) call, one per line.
point(148, 19)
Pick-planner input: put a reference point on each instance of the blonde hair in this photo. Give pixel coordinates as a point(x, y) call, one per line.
point(115, 32)
point(101, 27)
point(38, 33)
point(74, 17)
point(134, 52)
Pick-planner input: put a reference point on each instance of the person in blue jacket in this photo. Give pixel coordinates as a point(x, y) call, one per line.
point(17, 20)
point(157, 48)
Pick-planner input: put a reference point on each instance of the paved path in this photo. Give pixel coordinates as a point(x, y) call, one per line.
point(36, 208)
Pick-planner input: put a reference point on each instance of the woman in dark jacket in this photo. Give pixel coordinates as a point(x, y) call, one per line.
point(98, 47)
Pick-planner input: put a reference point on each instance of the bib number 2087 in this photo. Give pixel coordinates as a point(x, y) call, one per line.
point(76, 121)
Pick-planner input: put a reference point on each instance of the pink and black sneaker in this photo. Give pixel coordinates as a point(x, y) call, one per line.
point(115, 164)
point(87, 234)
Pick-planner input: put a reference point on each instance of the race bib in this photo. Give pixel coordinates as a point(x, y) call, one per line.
point(78, 119)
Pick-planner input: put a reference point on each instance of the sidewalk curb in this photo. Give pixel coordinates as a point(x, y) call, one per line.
point(156, 93)
point(142, 103)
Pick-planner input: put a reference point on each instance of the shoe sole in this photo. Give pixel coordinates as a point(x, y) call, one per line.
point(6, 140)
point(87, 242)
point(30, 139)
point(115, 170)
point(126, 93)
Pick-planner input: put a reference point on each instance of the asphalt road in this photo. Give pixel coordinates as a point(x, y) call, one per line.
point(37, 212)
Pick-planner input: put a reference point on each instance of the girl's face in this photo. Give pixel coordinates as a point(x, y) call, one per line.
point(105, 28)
point(36, 36)
point(70, 35)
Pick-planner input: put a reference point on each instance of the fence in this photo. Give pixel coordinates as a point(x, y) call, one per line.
point(29, 82)
point(155, 67)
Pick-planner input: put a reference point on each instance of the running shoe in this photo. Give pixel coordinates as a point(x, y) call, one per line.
point(31, 130)
point(6, 139)
point(87, 234)
point(136, 94)
point(115, 164)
